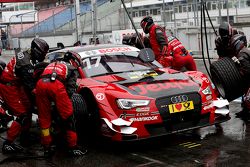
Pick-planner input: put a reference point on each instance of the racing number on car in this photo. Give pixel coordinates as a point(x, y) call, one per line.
point(88, 61)
point(179, 107)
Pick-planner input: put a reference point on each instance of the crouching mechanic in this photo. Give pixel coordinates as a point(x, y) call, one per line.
point(158, 41)
point(16, 85)
point(57, 83)
point(181, 57)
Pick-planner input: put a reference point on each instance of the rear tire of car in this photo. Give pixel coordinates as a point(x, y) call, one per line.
point(227, 78)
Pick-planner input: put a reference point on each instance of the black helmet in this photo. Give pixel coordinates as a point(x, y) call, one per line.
point(238, 42)
point(126, 39)
point(73, 58)
point(225, 30)
point(39, 49)
point(146, 22)
point(135, 41)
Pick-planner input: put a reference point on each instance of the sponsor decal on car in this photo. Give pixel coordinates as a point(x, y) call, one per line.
point(143, 109)
point(141, 74)
point(100, 96)
point(145, 89)
point(141, 114)
point(140, 119)
point(107, 50)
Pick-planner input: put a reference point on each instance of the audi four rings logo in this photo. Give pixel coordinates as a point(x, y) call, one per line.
point(179, 99)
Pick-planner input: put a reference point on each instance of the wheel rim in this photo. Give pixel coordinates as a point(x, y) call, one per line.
point(221, 90)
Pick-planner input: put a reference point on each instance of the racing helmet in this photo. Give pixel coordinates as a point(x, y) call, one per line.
point(126, 39)
point(225, 32)
point(135, 41)
point(39, 49)
point(146, 22)
point(74, 59)
point(238, 42)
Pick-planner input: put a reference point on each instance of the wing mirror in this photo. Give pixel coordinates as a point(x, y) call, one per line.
point(146, 55)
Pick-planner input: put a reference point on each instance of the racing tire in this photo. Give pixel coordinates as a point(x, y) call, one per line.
point(80, 114)
point(85, 120)
point(227, 78)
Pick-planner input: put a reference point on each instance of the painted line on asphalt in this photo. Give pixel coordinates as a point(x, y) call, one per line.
point(190, 144)
point(184, 143)
point(149, 159)
point(196, 145)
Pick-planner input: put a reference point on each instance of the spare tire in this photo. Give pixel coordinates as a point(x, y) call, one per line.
point(227, 78)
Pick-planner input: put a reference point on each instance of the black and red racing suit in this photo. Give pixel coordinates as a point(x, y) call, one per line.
point(59, 90)
point(159, 44)
point(16, 85)
point(181, 57)
point(223, 47)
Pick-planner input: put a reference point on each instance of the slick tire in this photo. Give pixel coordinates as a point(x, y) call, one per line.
point(79, 105)
point(227, 78)
point(81, 116)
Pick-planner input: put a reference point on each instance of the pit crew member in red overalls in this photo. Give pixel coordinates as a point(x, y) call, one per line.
point(16, 85)
point(181, 57)
point(58, 83)
point(158, 41)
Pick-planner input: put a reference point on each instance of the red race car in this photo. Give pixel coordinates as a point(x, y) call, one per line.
point(127, 95)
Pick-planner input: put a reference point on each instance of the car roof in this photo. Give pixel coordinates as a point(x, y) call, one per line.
point(84, 51)
point(92, 47)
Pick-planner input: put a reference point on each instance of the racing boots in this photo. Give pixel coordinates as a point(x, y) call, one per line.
point(9, 147)
point(76, 151)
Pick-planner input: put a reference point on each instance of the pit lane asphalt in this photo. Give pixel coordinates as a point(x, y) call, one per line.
point(208, 147)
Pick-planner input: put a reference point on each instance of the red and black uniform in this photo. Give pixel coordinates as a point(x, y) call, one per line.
point(57, 84)
point(159, 43)
point(181, 57)
point(223, 47)
point(16, 85)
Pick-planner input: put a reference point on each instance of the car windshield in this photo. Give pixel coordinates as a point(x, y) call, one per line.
point(115, 63)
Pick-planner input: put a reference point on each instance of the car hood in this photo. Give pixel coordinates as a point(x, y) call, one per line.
point(153, 84)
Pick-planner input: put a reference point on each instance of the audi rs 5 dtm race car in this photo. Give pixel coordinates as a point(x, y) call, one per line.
point(130, 96)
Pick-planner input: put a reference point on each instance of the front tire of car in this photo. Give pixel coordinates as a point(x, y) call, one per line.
point(86, 117)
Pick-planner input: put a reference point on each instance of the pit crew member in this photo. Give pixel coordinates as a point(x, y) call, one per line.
point(16, 85)
point(181, 57)
point(158, 40)
point(57, 83)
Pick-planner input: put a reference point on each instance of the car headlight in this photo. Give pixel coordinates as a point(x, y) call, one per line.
point(130, 103)
point(207, 91)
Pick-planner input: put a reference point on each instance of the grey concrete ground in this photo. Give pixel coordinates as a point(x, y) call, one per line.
point(208, 147)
